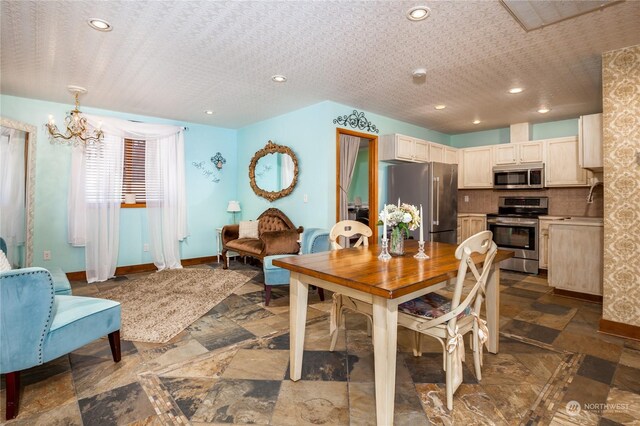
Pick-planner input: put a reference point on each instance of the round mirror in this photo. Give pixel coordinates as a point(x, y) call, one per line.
point(273, 171)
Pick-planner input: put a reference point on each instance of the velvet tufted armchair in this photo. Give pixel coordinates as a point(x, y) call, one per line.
point(276, 235)
point(37, 326)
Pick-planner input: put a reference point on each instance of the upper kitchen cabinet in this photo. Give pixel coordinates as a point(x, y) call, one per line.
point(590, 142)
point(450, 155)
point(396, 147)
point(518, 153)
point(562, 168)
point(436, 152)
point(475, 167)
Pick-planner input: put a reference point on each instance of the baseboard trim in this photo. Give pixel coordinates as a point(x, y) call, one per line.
point(578, 295)
point(619, 329)
point(145, 267)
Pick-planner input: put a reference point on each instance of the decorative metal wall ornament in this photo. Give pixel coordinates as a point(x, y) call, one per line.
point(356, 120)
point(218, 160)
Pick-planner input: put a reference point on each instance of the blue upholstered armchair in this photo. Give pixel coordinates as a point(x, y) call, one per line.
point(314, 240)
point(37, 326)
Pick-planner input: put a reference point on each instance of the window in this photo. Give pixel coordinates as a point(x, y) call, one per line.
point(133, 172)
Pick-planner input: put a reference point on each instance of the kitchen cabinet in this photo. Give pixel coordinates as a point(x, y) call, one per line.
point(575, 255)
point(450, 155)
point(562, 168)
point(476, 167)
point(543, 240)
point(436, 152)
point(398, 147)
point(590, 142)
point(470, 224)
point(518, 153)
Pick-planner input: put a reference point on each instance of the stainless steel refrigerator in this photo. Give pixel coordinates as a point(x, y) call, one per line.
point(435, 186)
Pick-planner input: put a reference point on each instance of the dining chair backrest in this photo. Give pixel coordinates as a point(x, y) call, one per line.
point(482, 244)
point(347, 229)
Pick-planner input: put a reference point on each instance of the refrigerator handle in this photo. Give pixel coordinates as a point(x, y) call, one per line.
point(436, 189)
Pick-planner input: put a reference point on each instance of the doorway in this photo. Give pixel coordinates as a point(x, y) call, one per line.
point(361, 192)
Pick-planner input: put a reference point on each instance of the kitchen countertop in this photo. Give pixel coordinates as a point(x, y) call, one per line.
point(472, 214)
point(581, 221)
point(553, 217)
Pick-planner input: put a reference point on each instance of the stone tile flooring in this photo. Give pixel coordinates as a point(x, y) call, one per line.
point(232, 366)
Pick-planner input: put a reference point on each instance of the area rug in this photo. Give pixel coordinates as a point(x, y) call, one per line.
point(158, 307)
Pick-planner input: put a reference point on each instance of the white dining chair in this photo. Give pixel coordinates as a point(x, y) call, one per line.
point(347, 229)
point(448, 320)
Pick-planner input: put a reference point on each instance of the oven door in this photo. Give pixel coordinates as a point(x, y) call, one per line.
point(519, 235)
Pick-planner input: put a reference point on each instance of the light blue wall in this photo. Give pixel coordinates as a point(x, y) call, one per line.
point(552, 129)
point(311, 134)
point(206, 201)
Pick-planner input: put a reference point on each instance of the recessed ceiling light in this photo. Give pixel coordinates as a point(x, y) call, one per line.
point(476, 121)
point(279, 78)
point(515, 90)
point(208, 112)
point(418, 13)
point(544, 110)
point(440, 106)
point(99, 24)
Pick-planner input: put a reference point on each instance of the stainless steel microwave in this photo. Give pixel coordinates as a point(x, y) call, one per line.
point(530, 176)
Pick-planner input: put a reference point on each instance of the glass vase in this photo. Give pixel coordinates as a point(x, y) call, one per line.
point(396, 243)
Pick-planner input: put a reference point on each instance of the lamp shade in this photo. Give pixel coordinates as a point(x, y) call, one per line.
point(234, 206)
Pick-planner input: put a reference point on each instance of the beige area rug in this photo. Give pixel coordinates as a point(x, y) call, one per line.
point(157, 307)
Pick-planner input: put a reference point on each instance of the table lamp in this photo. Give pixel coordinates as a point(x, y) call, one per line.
point(233, 207)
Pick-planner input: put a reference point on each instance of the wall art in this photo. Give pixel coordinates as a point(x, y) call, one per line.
point(357, 120)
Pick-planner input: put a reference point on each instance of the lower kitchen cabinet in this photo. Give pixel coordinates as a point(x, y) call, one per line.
point(470, 224)
point(575, 256)
point(543, 241)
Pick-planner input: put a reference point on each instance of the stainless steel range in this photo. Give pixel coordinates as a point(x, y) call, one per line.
point(515, 227)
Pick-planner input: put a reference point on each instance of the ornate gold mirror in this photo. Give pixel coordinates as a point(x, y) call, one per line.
point(273, 171)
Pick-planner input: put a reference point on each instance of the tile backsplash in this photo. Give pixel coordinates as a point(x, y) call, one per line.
point(562, 201)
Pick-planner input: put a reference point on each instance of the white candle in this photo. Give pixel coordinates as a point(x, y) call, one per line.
point(384, 223)
point(421, 225)
point(398, 202)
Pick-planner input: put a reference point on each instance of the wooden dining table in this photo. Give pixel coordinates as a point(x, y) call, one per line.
point(358, 273)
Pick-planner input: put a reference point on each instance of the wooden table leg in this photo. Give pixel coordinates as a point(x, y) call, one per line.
point(493, 308)
point(298, 294)
point(385, 337)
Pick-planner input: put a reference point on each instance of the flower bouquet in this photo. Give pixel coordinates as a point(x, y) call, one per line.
point(401, 218)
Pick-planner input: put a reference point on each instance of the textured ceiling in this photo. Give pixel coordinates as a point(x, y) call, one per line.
point(176, 59)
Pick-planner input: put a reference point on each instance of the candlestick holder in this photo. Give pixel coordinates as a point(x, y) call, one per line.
point(384, 253)
point(421, 255)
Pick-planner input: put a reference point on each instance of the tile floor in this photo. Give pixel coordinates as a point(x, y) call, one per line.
point(232, 366)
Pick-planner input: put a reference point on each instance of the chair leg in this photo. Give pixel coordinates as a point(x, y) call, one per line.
point(114, 342)
point(321, 293)
point(477, 361)
point(417, 341)
point(449, 382)
point(267, 294)
point(225, 260)
point(13, 394)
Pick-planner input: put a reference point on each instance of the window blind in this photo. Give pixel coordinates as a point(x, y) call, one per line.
point(133, 181)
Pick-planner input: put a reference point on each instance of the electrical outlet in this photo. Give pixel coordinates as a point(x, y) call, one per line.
point(466, 198)
point(46, 255)
point(306, 198)
point(145, 247)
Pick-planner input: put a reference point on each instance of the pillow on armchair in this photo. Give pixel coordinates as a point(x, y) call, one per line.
point(248, 229)
point(4, 262)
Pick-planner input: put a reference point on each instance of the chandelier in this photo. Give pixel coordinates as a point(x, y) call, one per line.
point(77, 128)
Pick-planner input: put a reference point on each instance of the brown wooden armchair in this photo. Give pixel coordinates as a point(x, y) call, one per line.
point(277, 235)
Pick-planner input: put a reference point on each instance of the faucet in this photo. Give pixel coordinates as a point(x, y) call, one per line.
point(593, 186)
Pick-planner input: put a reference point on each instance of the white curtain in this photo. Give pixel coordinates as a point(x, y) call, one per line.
point(165, 183)
point(12, 193)
point(349, 147)
point(166, 201)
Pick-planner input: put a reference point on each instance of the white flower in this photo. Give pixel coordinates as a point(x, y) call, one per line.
point(406, 218)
